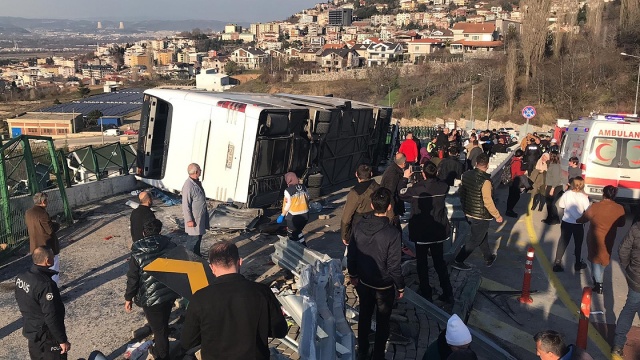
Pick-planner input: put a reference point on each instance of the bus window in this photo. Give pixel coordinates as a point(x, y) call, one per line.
point(632, 154)
point(604, 151)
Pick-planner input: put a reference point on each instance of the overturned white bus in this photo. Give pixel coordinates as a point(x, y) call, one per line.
point(245, 143)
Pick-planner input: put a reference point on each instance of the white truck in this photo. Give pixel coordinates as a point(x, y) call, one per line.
point(245, 143)
point(608, 148)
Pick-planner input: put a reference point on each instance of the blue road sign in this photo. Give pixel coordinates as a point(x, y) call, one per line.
point(528, 112)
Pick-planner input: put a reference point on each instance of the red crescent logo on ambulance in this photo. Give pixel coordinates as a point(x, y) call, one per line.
point(636, 162)
point(599, 150)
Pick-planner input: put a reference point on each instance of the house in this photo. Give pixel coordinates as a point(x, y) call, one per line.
point(423, 47)
point(337, 59)
point(308, 54)
point(383, 53)
point(474, 37)
point(249, 57)
point(444, 35)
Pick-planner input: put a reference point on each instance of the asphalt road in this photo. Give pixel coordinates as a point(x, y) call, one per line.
point(557, 299)
point(77, 142)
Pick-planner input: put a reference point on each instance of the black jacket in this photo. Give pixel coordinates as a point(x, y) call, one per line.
point(374, 253)
point(629, 252)
point(450, 169)
point(39, 301)
point(499, 148)
point(232, 319)
point(471, 194)
point(391, 180)
point(532, 153)
point(143, 288)
point(140, 216)
point(429, 222)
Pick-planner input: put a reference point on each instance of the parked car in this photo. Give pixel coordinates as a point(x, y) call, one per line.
point(111, 132)
point(131, 132)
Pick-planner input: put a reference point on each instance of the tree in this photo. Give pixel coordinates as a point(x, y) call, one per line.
point(93, 116)
point(56, 102)
point(83, 90)
point(534, 34)
point(511, 74)
point(231, 68)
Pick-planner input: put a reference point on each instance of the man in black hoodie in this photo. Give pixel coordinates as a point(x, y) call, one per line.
point(374, 268)
point(450, 168)
point(429, 228)
point(155, 298)
point(391, 179)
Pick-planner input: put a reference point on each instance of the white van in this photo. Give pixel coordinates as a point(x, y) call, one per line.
point(111, 132)
point(608, 147)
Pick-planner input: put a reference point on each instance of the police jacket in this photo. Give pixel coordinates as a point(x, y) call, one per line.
point(39, 301)
point(532, 153)
point(429, 222)
point(374, 253)
point(471, 194)
point(143, 288)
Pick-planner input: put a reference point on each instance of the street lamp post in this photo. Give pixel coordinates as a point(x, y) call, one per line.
point(635, 107)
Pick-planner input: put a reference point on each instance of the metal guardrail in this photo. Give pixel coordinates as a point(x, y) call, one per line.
point(319, 309)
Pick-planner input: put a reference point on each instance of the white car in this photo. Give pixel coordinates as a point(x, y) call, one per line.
point(511, 131)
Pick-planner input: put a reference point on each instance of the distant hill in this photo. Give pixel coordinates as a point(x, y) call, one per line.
point(17, 25)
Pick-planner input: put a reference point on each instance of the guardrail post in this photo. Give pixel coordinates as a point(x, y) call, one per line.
point(61, 188)
point(65, 167)
point(34, 186)
point(5, 206)
point(123, 157)
point(94, 159)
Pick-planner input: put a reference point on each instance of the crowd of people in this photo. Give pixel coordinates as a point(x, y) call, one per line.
point(372, 234)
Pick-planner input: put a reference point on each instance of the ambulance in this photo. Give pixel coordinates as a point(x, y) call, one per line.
point(608, 147)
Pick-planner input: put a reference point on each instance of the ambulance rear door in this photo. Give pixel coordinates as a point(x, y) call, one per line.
point(603, 159)
point(629, 171)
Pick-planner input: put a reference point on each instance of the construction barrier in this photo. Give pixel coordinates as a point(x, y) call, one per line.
point(583, 322)
point(525, 297)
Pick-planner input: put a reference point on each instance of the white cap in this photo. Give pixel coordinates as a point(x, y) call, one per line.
point(457, 332)
point(554, 140)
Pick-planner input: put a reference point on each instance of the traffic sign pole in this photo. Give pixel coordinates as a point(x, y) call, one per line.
point(528, 112)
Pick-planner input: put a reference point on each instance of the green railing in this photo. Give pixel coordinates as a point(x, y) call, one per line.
point(31, 164)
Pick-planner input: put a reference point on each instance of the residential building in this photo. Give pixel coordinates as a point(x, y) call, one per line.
point(382, 53)
point(382, 19)
point(422, 48)
point(308, 54)
point(141, 60)
point(337, 59)
point(249, 57)
point(340, 17)
point(408, 5)
point(212, 80)
point(231, 28)
point(96, 71)
point(164, 57)
point(474, 37)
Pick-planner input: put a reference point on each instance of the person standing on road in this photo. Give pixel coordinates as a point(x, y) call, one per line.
point(476, 196)
point(538, 176)
point(574, 169)
point(574, 202)
point(233, 317)
point(450, 168)
point(295, 208)
point(42, 309)
point(629, 253)
point(373, 262)
point(476, 151)
point(531, 154)
point(605, 217)
point(194, 209)
point(429, 228)
point(358, 201)
point(554, 185)
point(140, 216)
point(550, 345)
point(154, 297)
point(409, 148)
point(517, 171)
point(42, 231)
point(391, 179)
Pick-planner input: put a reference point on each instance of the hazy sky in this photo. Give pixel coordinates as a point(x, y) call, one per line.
point(223, 10)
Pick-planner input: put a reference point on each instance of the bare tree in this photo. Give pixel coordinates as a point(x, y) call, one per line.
point(534, 34)
point(594, 20)
point(565, 26)
point(511, 74)
point(629, 14)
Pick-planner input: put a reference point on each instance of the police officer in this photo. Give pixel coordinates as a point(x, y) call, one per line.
point(39, 301)
point(532, 153)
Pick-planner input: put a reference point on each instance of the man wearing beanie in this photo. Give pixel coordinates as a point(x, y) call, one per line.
point(456, 337)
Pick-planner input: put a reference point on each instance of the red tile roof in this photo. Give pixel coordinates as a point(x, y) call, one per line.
point(482, 28)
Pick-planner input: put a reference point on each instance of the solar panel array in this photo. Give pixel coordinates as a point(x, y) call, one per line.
point(118, 103)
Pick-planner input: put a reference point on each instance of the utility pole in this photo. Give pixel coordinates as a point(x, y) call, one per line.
point(471, 110)
point(488, 101)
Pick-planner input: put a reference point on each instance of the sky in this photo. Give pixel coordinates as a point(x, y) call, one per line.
point(223, 10)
